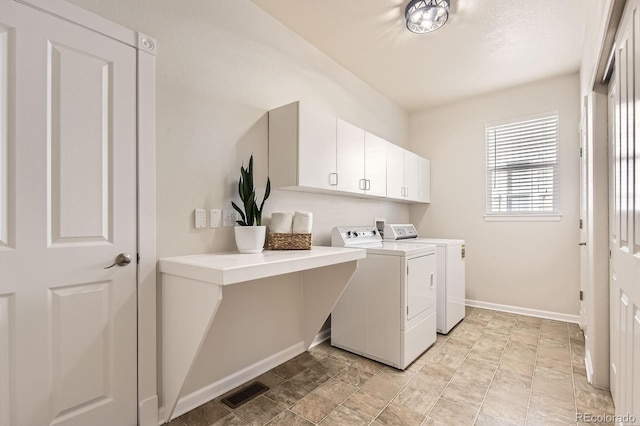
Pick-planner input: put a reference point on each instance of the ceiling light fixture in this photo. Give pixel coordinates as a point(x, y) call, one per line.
point(425, 16)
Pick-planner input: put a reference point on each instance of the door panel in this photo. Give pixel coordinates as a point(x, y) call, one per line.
point(70, 168)
point(80, 105)
point(350, 157)
point(6, 42)
point(421, 286)
point(625, 257)
point(375, 152)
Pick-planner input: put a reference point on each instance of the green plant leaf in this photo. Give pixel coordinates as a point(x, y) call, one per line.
point(239, 211)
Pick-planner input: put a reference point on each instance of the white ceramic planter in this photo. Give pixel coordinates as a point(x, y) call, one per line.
point(250, 239)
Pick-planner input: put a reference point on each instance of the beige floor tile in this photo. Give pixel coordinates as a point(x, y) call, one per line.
point(231, 420)
point(289, 369)
point(287, 393)
point(502, 369)
point(381, 387)
point(450, 360)
point(205, 414)
point(399, 415)
point(354, 376)
point(400, 377)
point(484, 368)
point(507, 402)
point(259, 411)
point(367, 405)
point(327, 365)
point(176, 422)
point(517, 366)
point(556, 388)
point(467, 389)
point(287, 418)
point(449, 413)
point(308, 380)
point(485, 420)
point(342, 416)
point(420, 402)
point(314, 407)
point(506, 374)
point(336, 391)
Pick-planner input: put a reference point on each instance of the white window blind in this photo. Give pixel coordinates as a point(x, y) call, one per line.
point(522, 167)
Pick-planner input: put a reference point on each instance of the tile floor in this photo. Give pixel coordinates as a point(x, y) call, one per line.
point(494, 368)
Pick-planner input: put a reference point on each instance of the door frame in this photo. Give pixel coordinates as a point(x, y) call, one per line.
point(146, 191)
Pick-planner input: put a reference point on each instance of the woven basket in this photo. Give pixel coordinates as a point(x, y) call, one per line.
point(289, 241)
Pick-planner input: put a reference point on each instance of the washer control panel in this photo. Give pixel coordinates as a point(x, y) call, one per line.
point(353, 235)
point(400, 232)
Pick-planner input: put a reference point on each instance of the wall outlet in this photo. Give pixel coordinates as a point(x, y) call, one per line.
point(215, 218)
point(229, 217)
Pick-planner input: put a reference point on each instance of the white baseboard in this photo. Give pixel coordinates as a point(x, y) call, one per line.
point(214, 390)
point(148, 411)
point(524, 311)
point(588, 367)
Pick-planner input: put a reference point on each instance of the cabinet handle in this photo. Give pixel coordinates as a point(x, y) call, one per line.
point(333, 179)
point(362, 184)
point(368, 182)
point(431, 281)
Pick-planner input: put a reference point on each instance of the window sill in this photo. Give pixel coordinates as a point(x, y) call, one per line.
point(523, 217)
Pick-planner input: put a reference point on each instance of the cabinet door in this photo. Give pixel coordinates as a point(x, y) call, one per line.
point(375, 165)
point(316, 149)
point(395, 171)
point(410, 176)
point(421, 285)
point(424, 180)
point(350, 157)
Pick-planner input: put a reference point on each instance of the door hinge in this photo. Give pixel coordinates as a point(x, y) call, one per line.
point(407, 311)
point(609, 253)
point(580, 223)
point(580, 151)
point(581, 295)
point(138, 258)
point(407, 269)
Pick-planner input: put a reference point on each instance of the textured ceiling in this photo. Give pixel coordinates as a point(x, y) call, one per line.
point(486, 45)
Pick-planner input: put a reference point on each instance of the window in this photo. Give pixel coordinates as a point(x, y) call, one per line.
point(522, 167)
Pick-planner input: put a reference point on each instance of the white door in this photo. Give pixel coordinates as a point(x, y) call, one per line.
point(410, 176)
point(375, 165)
point(67, 209)
point(317, 149)
point(584, 259)
point(395, 171)
point(625, 234)
point(421, 286)
point(350, 157)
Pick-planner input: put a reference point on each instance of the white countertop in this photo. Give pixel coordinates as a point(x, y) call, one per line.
point(233, 267)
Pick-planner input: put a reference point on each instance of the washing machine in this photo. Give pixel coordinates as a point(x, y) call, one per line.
point(450, 305)
point(387, 312)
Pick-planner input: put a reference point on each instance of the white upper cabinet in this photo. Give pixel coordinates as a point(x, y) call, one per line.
point(395, 172)
point(424, 180)
point(407, 175)
point(375, 165)
point(313, 151)
point(350, 158)
point(302, 148)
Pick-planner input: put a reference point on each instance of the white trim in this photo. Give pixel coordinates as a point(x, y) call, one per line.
point(148, 411)
point(523, 217)
point(524, 311)
point(588, 367)
point(214, 390)
point(77, 15)
point(146, 181)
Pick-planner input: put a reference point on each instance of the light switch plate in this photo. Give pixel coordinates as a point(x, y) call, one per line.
point(229, 217)
point(200, 218)
point(215, 218)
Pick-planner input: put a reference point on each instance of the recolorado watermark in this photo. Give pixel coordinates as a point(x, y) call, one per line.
point(626, 419)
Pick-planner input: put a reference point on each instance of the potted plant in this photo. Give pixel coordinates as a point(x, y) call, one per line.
point(250, 233)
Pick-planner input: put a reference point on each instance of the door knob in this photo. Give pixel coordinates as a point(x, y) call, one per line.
point(123, 259)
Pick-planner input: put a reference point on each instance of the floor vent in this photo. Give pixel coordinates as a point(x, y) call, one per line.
point(245, 394)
